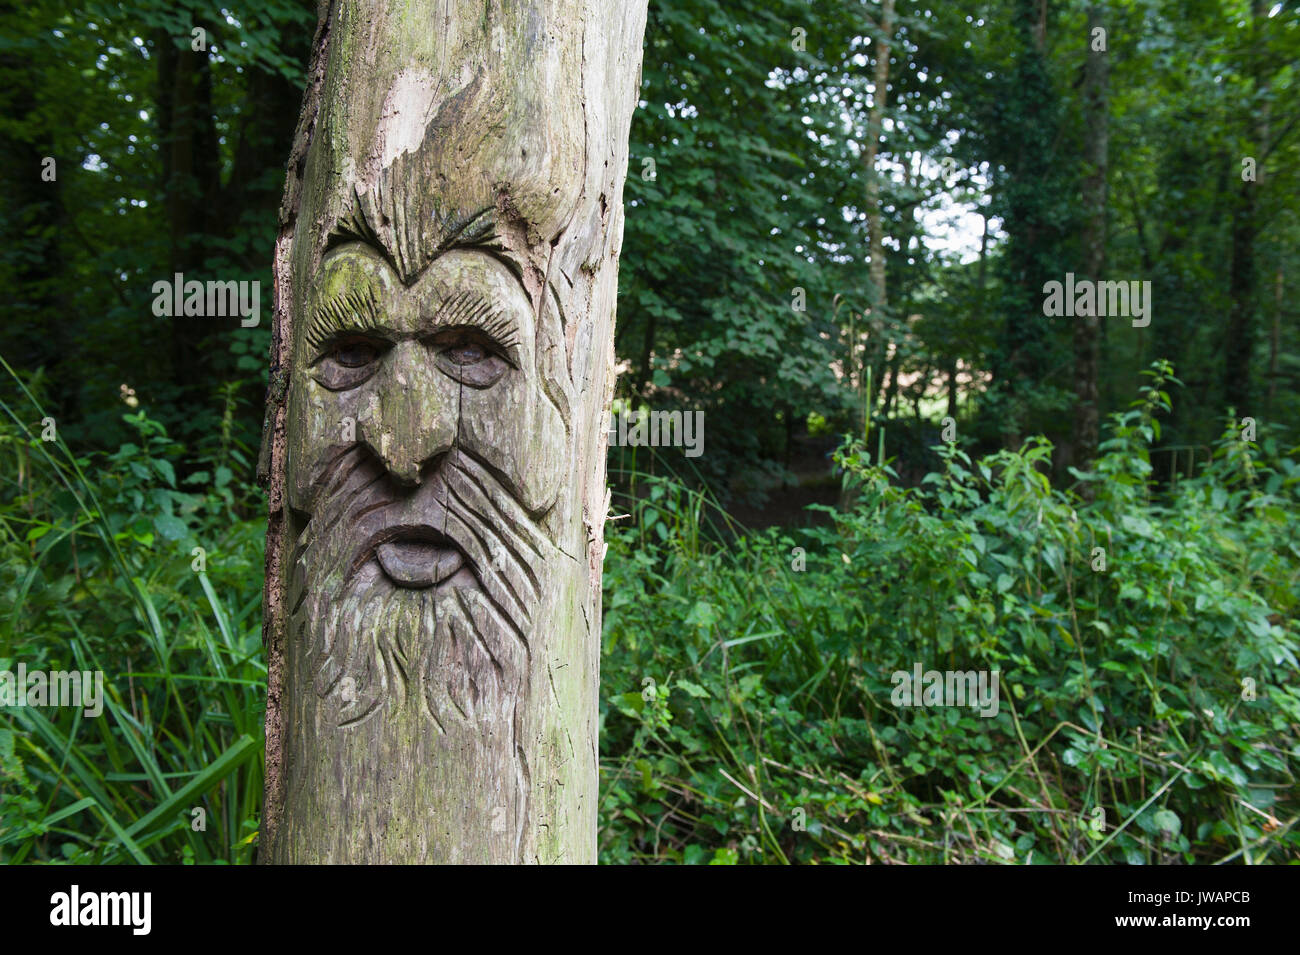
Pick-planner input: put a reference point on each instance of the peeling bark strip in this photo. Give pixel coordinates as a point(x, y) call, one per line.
point(442, 363)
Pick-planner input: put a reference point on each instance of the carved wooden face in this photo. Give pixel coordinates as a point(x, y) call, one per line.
point(449, 362)
point(429, 449)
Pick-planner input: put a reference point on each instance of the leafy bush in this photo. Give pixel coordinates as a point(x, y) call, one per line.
point(1145, 643)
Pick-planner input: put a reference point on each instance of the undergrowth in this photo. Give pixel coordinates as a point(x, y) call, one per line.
point(1145, 645)
point(1144, 640)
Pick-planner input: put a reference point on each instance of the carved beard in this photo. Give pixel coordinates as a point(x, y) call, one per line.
point(459, 647)
point(453, 654)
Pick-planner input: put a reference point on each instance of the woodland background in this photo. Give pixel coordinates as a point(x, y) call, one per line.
point(758, 597)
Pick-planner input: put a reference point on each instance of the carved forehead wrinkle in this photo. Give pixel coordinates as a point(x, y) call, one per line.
point(439, 147)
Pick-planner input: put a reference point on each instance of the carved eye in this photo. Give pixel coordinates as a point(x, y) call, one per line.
point(468, 356)
point(348, 362)
point(355, 354)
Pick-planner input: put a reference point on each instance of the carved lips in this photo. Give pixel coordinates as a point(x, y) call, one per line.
point(417, 557)
point(418, 563)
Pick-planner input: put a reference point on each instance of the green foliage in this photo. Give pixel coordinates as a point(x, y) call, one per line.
point(1121, 688)
point(746, 711)
point(755, 115)
point(736, 688)
point(167, 159)
point(752, 171)
point(98, 571)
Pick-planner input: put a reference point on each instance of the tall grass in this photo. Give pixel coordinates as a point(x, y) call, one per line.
point(100, 574)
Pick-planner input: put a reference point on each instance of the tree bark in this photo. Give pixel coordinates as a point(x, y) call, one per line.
point(875, 122)
point(191, 183)
point(1274, 340)
point(1095, 148)
point(1239, 338)
point(442, 366)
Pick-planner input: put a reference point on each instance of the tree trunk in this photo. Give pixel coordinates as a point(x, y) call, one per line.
point(875, 122)
point(981, 273)
point(875, 218)
point(1239, 340)
point(191, 174)
point(1274, 340)
point(442, 366)
point(37, 219)
point(1095, 149)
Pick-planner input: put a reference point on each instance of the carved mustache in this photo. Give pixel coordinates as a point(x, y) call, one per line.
point(459, 517)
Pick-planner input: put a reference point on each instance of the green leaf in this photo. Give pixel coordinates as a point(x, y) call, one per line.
point(694, 689)
point(170, 527)
point(702, 615)
point(1167, 821)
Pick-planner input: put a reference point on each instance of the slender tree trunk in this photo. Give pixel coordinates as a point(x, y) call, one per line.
point(981, 274)
point(37, 221)
point(1275, 339)
point(1033, 180)
point(191, 167)
point(1239, 340)
point(442, 366)
point(875, 122)
point(875, 223)
point(262, 132)
point(950, 372)
point(890, 383)
point(1096, 145)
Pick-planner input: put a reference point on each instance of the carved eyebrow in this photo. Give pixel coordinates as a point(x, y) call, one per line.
point(471, 308)
point(356, 310)
point(409, 255)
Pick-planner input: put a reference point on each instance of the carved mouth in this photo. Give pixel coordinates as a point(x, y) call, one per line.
point(417, 557)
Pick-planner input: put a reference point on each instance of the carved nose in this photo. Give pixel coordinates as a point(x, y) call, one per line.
point(418, 410)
